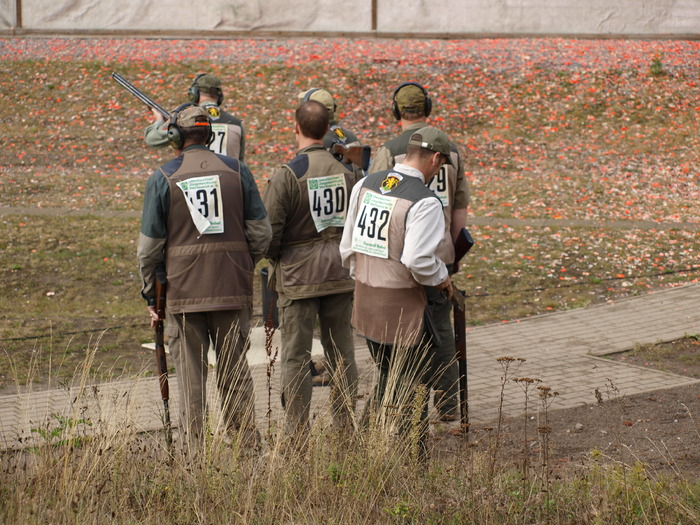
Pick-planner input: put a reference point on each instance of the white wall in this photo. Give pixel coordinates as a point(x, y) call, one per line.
point(565, 17)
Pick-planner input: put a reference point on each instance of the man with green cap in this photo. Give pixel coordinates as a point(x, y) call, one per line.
point(228, 135)
point(392, 231)
point(336, 134)
point(411, 106)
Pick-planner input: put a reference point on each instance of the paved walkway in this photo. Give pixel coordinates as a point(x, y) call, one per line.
point(565, 350)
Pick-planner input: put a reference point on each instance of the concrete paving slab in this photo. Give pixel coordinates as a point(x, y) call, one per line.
point(563, 350)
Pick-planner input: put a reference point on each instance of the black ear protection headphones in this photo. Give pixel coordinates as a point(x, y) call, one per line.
point(427, 107)
point(307, 97)
point(193, 92)
point(176, 138)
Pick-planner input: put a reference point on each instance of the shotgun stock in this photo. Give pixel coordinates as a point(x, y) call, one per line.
point(140, 95)
point(161, 362)
point(460, 326)
point(358, 155)
point(463, 244)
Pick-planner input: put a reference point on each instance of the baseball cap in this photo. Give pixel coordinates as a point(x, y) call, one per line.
point(434, 140)
point(208, 81)
point(192, 116)
point(410, 97)
point(319, 95)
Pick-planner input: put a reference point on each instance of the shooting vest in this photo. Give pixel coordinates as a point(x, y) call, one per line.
point(444, 185)
point(309, 263)
point(226, 132)
point(207, 271)
point(389, 303)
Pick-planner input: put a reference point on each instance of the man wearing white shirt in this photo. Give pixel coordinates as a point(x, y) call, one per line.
point(392, 230)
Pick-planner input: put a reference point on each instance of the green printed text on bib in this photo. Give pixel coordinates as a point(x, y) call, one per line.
point(371, 232)
point(203, 198)
point(327, 201)
point(217, 143)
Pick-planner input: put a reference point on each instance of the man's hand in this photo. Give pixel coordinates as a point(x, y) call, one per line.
point(446, 287)
point(157, 116)
point(154, 315)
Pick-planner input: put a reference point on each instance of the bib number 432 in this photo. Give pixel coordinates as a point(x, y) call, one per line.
point(371, 230)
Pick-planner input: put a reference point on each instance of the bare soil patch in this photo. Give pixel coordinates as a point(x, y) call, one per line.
point(660, 429)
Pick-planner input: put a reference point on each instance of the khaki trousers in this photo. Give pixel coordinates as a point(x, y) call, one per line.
point(297, 320)
point(190, 336)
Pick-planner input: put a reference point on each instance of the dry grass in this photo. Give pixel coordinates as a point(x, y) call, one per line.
point(90, 471)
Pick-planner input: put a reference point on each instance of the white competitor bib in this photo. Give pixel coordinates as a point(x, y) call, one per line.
point(203, 198)
point(218, 142)
point(327, 201)
point(371, 231)
point(440, 186)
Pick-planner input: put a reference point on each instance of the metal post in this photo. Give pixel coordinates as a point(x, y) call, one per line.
point(374, 15)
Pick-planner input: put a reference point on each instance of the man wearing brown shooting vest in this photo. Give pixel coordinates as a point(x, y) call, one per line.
point(203, 221)
point(392, 232)
point(307, 201)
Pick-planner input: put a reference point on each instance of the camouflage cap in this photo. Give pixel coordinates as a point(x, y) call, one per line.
point(410, 97)
point(319, 95)
point(434, 140)
point(192, 116)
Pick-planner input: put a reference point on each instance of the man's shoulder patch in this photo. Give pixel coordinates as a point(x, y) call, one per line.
point(214, 112)
point(390, 182)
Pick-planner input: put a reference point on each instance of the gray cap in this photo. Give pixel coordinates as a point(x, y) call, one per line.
point(434, 140)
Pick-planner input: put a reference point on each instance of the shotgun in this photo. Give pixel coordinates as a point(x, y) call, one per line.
point(140, 95)
point(161, 363)
point(463, 244)
point(358, 155)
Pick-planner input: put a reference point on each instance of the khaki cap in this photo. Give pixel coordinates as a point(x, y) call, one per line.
point(319, 95)
point(410, 97)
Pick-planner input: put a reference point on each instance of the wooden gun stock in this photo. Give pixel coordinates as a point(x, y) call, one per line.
point(161, 362)
point(358, 155)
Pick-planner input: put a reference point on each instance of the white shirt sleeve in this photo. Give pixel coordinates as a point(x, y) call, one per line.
point(347, 255)
point(425, 228)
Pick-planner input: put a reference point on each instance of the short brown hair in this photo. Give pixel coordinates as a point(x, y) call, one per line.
point(313, 119)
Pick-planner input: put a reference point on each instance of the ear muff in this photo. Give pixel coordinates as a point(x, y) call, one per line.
point(427, 107)
point(175, 136)
point(307, 97)
point(193, 91)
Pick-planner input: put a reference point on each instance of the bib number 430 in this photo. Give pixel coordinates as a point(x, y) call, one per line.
point(328, 201)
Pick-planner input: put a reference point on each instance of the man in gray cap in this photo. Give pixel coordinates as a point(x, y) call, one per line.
point(411, 106)
point(392, 231)
point(204, 225)
point(336, 134)
point(228, 135)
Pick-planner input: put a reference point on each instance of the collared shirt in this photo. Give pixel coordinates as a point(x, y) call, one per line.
point(425, 225)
